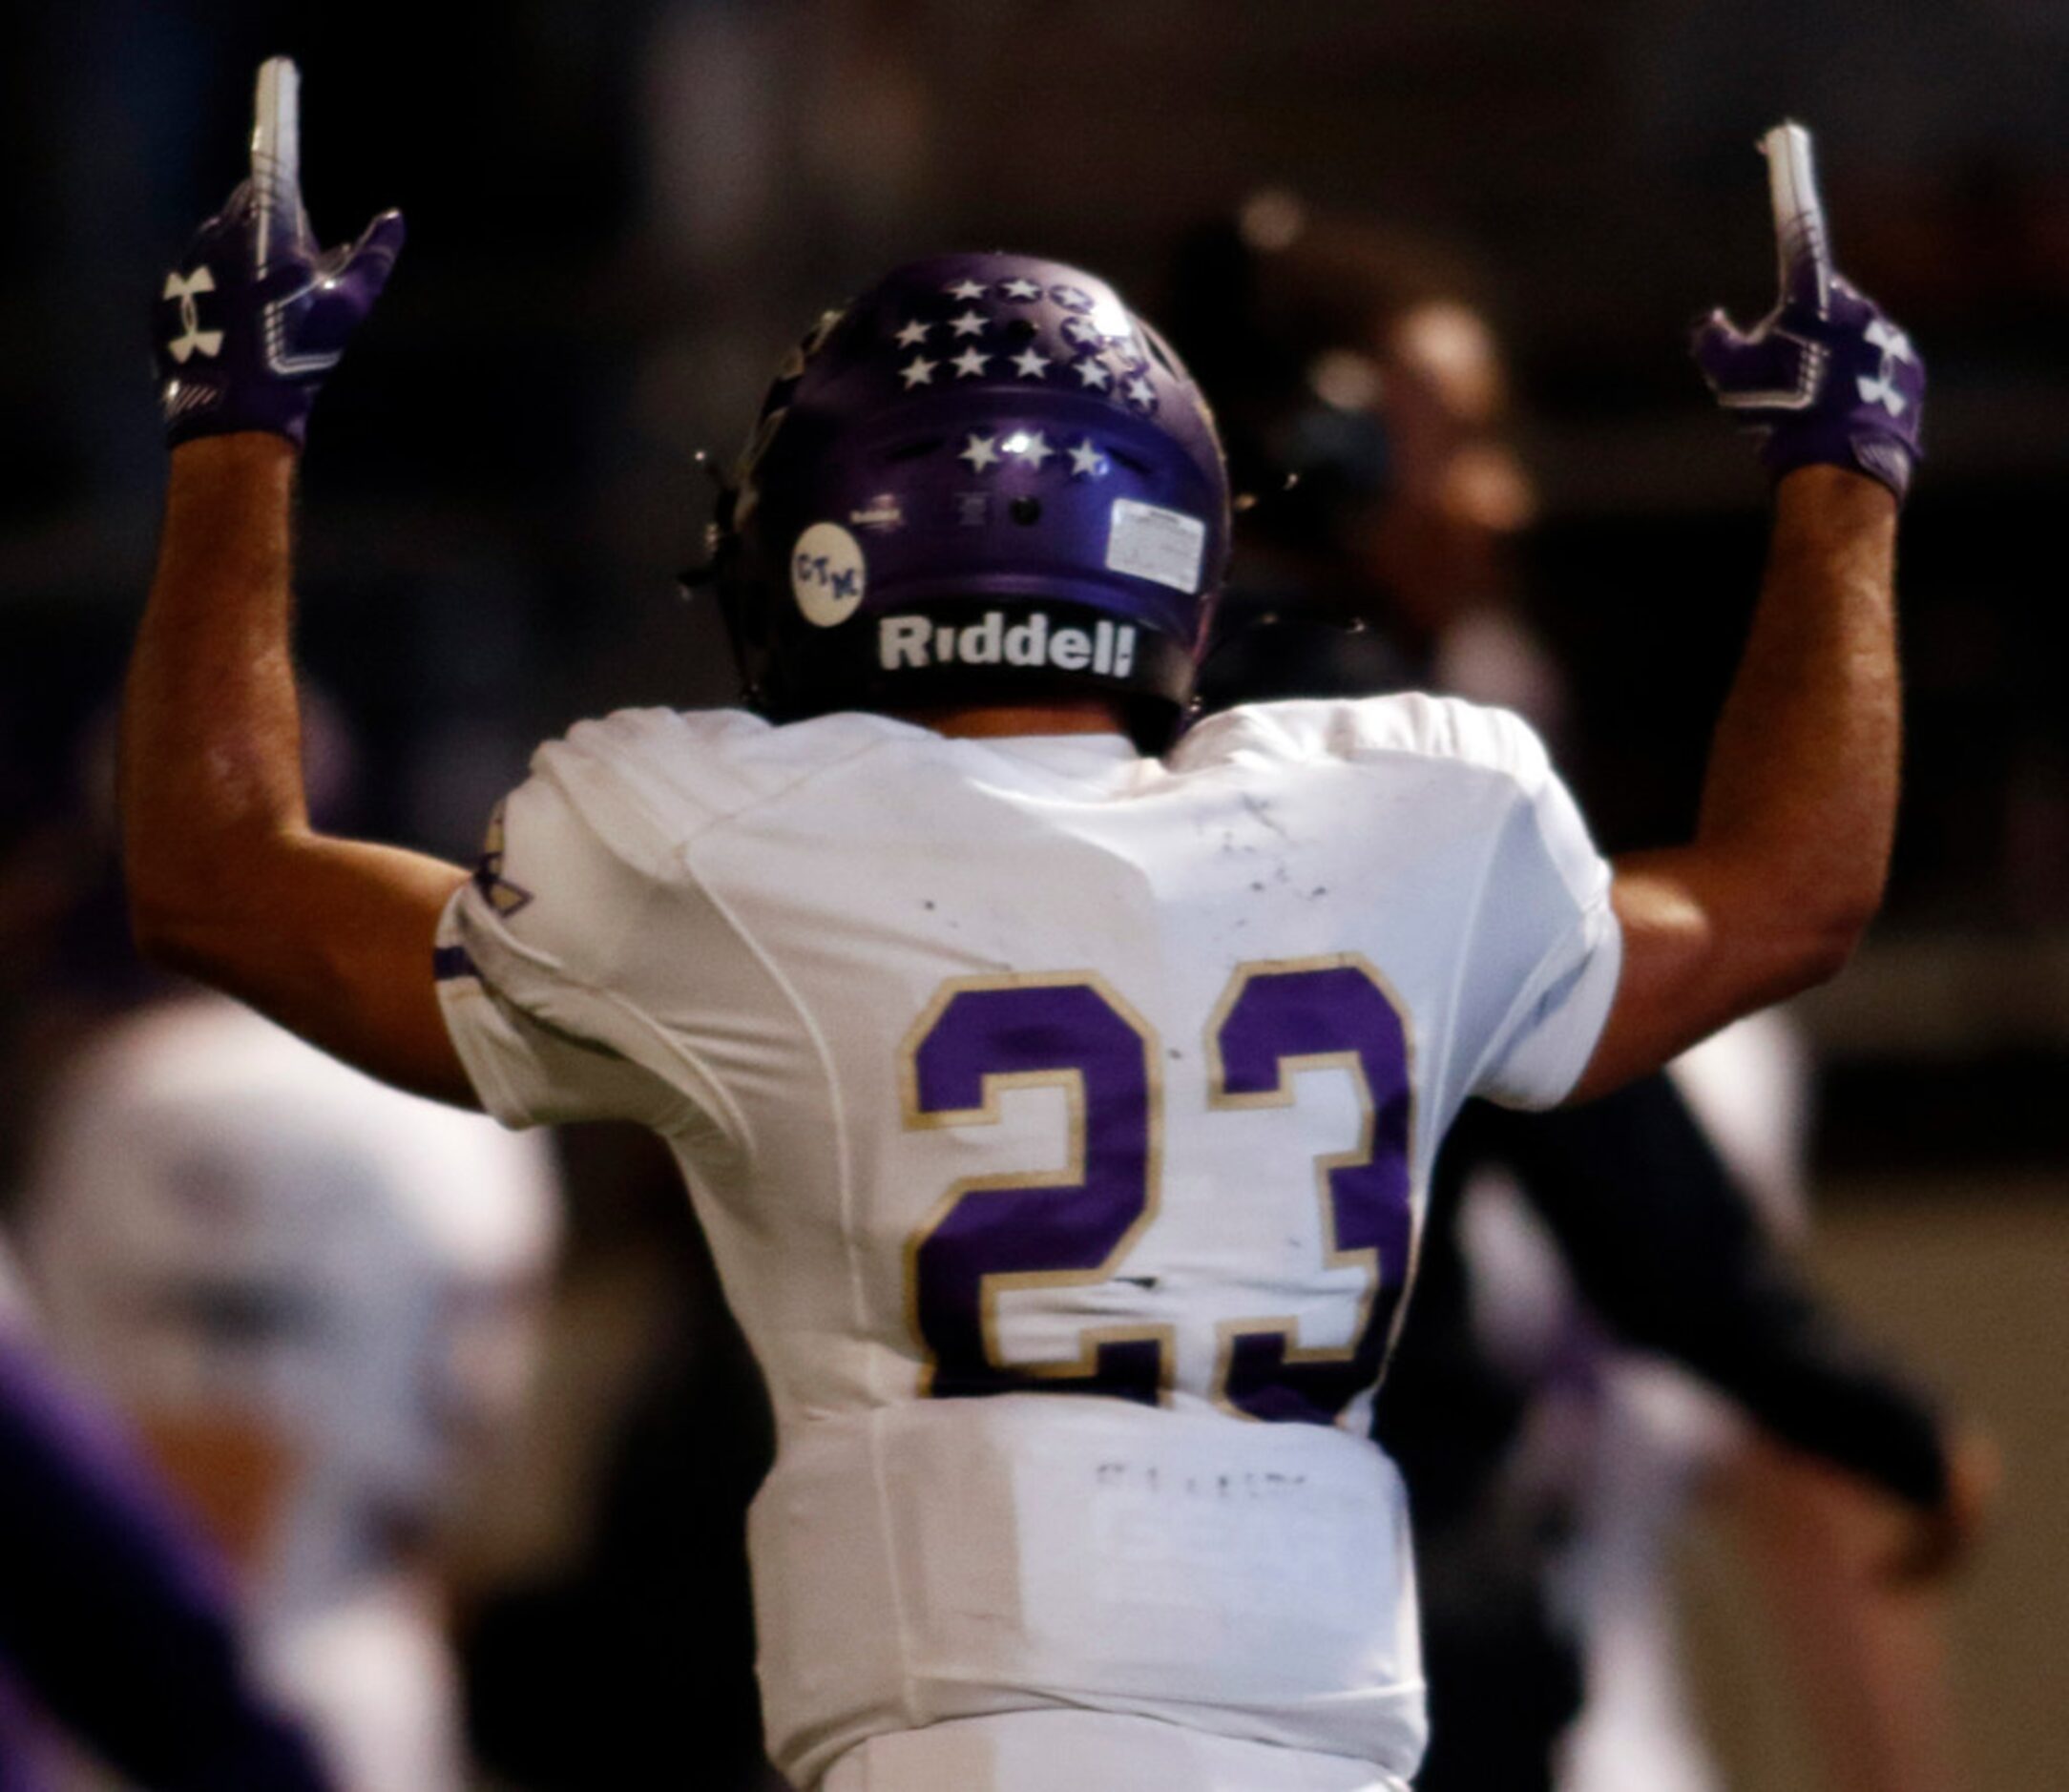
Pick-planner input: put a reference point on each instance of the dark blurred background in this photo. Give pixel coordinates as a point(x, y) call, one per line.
point(623, 210)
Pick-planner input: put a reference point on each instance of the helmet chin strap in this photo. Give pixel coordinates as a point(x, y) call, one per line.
point(722, 548)
point(719, 535)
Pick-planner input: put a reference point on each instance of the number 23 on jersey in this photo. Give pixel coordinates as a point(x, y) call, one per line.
point(991, 1234)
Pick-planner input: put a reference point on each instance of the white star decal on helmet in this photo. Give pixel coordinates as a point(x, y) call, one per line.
point(967, 323)
point(981, 451)
point(1093, 374)
point(1022, 289)
point(918, 371)
point(1031, 445)
point(1086, 461)
point(913, 334)
point(968, 363)
point(1031, 363)
point(966, 289)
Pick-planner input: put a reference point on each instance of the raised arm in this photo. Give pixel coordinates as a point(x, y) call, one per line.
point(1799, 805)
point(227, 880)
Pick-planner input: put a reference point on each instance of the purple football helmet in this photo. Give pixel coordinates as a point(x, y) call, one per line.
point(984, 480)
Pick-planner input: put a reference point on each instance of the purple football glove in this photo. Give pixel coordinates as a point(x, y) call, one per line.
point(256, 314)
point(1824, 377)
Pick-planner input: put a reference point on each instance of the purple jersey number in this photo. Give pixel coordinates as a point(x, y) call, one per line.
point(1277, 1020)
point(1073, 1228)
point(998, 1232)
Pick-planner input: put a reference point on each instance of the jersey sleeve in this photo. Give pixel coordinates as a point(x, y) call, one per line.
point(533, 954)
point(1546, 929)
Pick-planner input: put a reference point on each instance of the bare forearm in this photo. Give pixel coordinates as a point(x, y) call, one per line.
point(1793, 842)
point(1803, 772)
point(211, 729)
point(1799, 806)
point(227, 880)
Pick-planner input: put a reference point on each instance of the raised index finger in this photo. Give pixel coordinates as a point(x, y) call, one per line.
point(276, 158)
point(1802, 250)
point(275, 135)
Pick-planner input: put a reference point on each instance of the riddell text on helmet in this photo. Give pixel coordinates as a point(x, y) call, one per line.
point(1106, 648)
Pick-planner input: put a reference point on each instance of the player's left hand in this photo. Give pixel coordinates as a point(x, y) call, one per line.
point(1826, 378)
point(256, 313)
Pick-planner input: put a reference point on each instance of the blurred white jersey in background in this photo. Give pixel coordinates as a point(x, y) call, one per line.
point(317, 1297)
point(1630, 1444)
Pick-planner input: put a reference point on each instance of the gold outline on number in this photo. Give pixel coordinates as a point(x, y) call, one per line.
point(1071, 1175)
point(1284, 1095)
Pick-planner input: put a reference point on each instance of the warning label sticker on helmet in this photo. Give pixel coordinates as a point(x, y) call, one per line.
point(1150, 542)
point(827, 574)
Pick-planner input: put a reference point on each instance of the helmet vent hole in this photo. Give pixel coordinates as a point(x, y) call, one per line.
point(1021, 330)
point(1025, 509)
point(912, 451)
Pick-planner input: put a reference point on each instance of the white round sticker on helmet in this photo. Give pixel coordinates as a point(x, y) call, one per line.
point(827, 574)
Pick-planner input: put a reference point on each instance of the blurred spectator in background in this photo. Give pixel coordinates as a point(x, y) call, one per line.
point(644, 1632)
point(1854, 1581)
point(1367, 413)
point(116, 1627)
point(317, 1298)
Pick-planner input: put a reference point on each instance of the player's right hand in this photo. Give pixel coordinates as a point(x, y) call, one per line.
point(1825, 378)
point(256, 314)
point(1937, 1542)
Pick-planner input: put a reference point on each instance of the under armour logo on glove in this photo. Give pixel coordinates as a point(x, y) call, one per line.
point(191, 338)
point(1825, 377)
point(1882, 389)
point(281, 308)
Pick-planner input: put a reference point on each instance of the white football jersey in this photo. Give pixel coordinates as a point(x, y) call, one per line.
point(1059, 1119)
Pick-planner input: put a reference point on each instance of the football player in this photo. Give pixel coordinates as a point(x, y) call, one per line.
point(1058, 1113)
